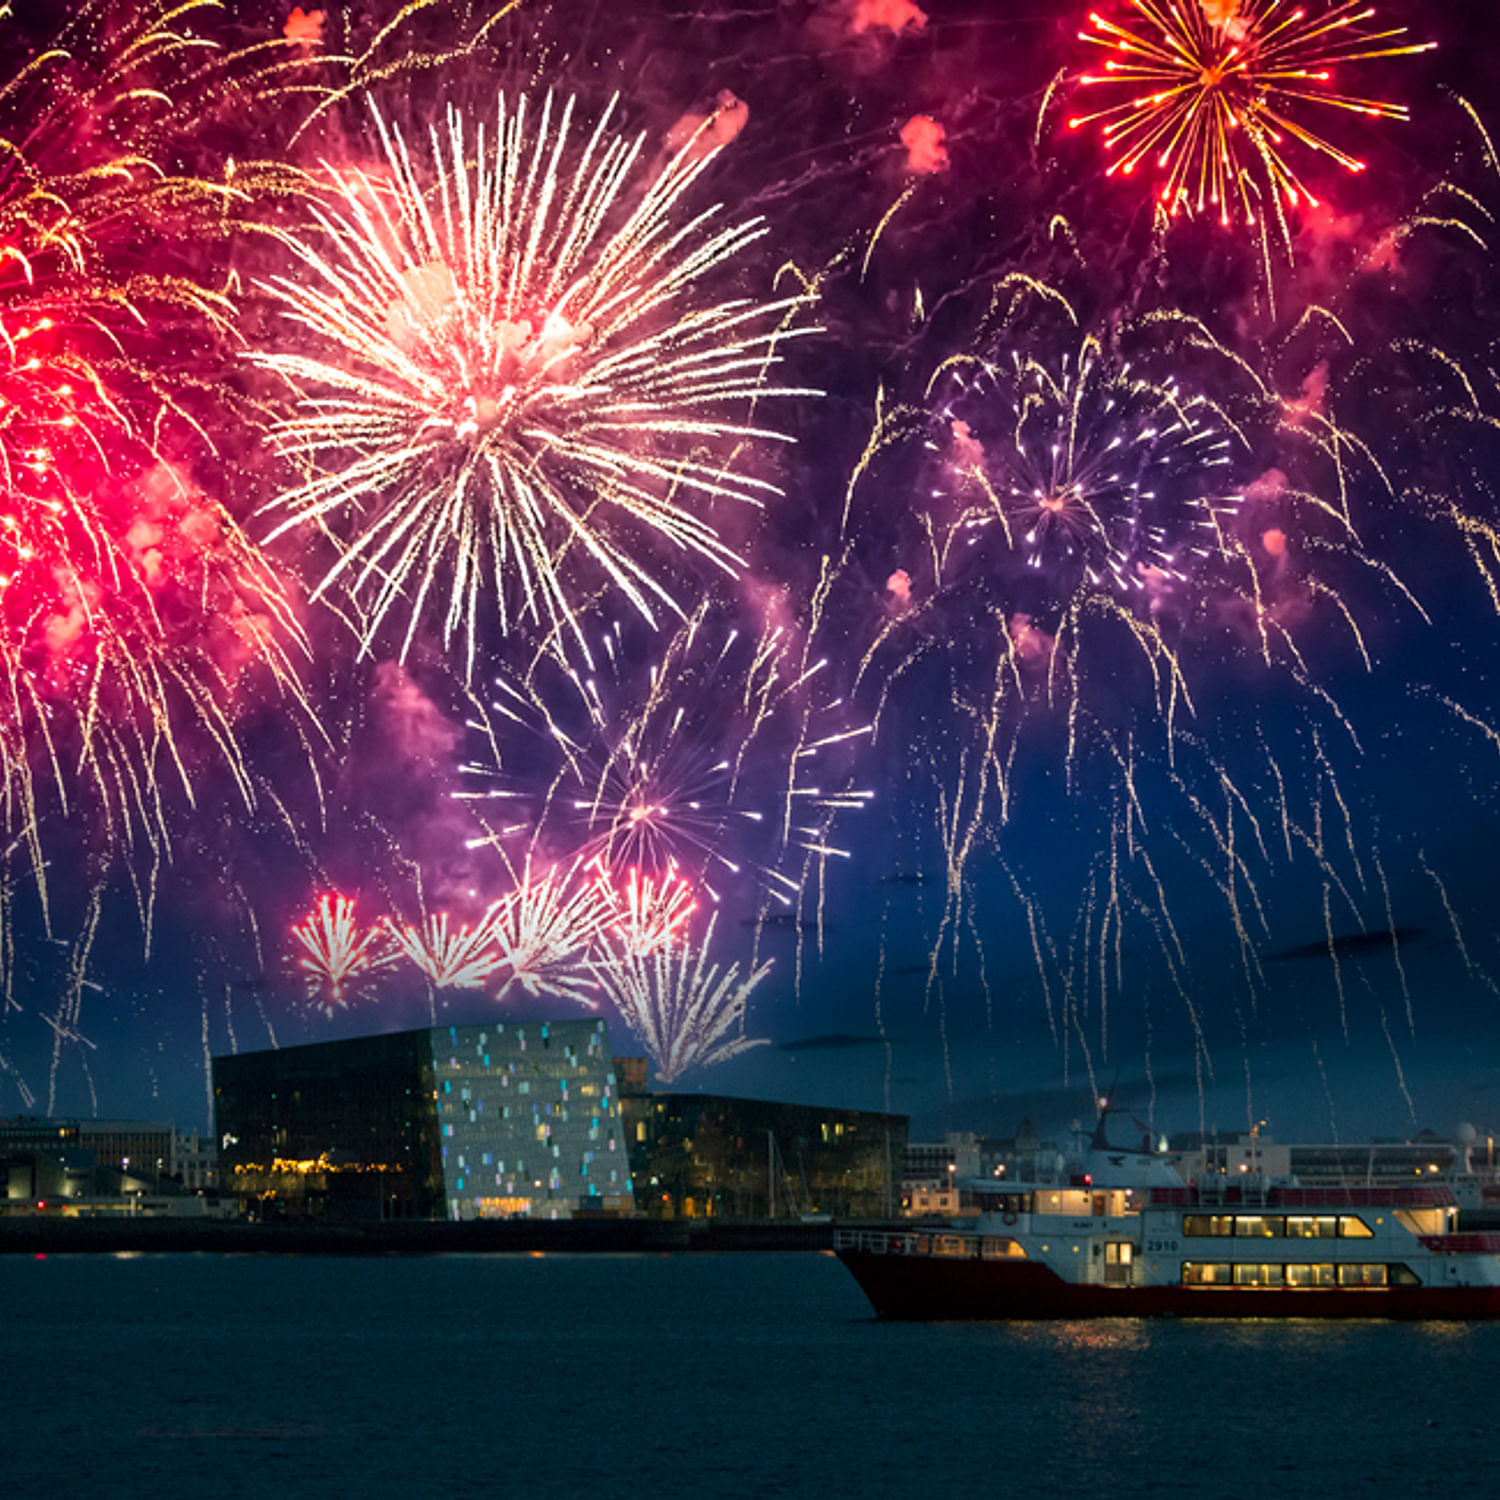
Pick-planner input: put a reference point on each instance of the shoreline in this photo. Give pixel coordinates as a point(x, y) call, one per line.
point(46, 1236)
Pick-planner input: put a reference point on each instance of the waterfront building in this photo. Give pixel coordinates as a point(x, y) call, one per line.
point(711, 1155)
point(1372, 1163)
point(152, 1150)
point(458, 1122)
point(932, 1171)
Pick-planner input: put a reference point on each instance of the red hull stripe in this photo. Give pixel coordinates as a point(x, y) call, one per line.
point(934, 1288)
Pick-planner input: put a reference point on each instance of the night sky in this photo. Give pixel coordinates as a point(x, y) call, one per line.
point(958, 961)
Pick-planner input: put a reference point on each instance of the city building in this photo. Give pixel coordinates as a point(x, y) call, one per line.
point(195, 1163)
point(1233, 1153)
point(457, 1122)
point(67, 1182)
point(933, 1172)
point(153, 1150)
point(1377, 1163)
point(709, 1155)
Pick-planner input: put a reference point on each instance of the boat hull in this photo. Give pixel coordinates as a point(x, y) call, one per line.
point(936, 1288)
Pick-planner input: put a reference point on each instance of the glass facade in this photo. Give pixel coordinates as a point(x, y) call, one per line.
point(453, 1122)
point(342, 1128)
point(529, 1115)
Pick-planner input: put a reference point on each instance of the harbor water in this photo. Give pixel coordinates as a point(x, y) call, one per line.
point(702, 1375)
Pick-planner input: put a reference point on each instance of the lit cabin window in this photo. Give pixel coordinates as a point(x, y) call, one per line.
point(1206, 1273)
point(1259, 1275)
point(1203, 1226)
point(1258, 1226)
point(1311, 1226)
point(1304, 1277)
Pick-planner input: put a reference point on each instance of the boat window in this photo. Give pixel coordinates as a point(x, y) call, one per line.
point(1206, 1273)
point(1306, 1276)
point(1258, 1226)
point(1352, 1227)
point(1362, 1275)
point(1311, 1226)
point(999, 1249)
point(959, 1247)
point(1258, 1275)
point(1119, 1252)
point(1401, 1275)
point(1202, 1225)
point(1423, 1220)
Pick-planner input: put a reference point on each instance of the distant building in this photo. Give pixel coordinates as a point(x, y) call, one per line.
point(455, 1122)
point(710, 1155)
point(1325, 1164)
point(1230, 1152)
point(151, 1150)
point(195, 1163)
point(933, 1172)
point(31, 1178)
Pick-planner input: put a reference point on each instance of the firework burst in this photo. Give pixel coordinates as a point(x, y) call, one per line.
point(543, 931)
point(1219, 88)
point(1096, 477)
point(514, 371)
point(339, 961)
point(449, 956)
point(686, 1012)
point(646, 912)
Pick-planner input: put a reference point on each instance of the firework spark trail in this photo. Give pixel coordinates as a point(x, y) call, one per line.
point(544, 929)
point(646, 912)
point(509, 380)
point(1082, 462)
point(64, 1024)
point(713, 752)
point(1454, 925)
point(1213, 98)
point(339, 960)
point(1390, 927)
point(686, 1012)
point(449, 956)
point(819, 726)
point(1385, 1027)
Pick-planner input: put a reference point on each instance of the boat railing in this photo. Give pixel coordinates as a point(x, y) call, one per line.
point(949, 1244)
point(1209, 1192)
point(1470, 1243)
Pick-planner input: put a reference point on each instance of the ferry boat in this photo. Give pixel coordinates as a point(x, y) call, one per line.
point(1125, 1236)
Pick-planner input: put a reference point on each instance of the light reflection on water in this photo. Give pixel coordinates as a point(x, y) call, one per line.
point(694, 1375)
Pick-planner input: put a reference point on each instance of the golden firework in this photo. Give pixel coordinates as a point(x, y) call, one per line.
point(512, 375)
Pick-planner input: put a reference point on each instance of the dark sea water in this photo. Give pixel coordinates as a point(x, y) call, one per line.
point(691, 1375)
